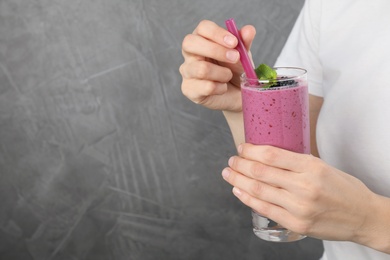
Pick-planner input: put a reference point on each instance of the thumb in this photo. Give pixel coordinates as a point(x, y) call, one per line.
point(248, 33)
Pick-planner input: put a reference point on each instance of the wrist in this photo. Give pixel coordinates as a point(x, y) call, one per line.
point(235, 121)
point(375, 231)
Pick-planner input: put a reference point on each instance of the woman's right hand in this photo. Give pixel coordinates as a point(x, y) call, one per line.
point(211, 69)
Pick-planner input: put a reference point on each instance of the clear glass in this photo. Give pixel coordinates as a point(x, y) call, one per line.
point(277, 113)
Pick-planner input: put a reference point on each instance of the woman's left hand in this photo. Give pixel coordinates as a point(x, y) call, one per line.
point(301, 192)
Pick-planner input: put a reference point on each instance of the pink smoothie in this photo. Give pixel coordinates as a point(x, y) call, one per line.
point(277, 116)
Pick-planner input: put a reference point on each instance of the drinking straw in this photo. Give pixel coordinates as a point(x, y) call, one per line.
point(244, 57)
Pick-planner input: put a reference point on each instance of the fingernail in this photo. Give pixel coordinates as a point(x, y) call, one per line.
point(239, 148)
point(225, 174)
point(230, 162)
point(232, 55)
point(229, 40)
point(237, 192)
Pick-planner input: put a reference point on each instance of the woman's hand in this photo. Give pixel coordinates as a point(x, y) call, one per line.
point(211, 67)
point(307, 196)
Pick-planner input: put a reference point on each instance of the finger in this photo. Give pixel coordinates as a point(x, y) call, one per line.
point(205, 70)
point(262, 172)
point(248, 34)
point(257, 189)
point(215, 33)
point(276, 157)
point(264, 208)
point(274, 212)
point(200, 46)
point(212, 94)
point(197, 90)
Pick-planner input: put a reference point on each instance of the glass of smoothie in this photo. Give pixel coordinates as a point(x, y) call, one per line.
point(276, 113)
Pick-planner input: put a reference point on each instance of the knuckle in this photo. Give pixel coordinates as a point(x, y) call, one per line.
point(208, 88)
point(188, 39)
point(203, 25)
point(202, 70)
point(225, 74)
point(258, 188)
point(184, 90)
point(182, 70)
point(257, 170)
point(270, 155)
point(189, 92)
point(314, 192)
point(203, 22)
point(310, 190)
point(321, 170)
point(313, 161)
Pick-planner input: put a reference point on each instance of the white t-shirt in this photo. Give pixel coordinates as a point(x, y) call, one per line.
point(345, 46)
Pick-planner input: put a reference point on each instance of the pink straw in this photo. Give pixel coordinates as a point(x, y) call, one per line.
point(244, 57)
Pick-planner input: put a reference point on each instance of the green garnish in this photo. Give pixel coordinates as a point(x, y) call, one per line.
point(265, 72)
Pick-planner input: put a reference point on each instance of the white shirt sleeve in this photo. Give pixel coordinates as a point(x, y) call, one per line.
point(302, 46)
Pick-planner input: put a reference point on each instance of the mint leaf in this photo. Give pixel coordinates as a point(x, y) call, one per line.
point(265, 72)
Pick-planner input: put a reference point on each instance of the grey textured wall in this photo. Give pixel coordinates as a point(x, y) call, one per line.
point(101, 157)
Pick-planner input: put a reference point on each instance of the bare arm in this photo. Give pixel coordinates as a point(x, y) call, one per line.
point(314, 110)
point(235, 121)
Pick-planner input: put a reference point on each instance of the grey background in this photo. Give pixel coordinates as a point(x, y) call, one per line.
point(101, 157)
